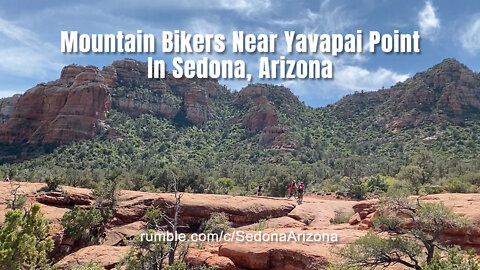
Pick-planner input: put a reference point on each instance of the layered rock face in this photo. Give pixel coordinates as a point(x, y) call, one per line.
point(261, 112)
point(72, 107)
point(262, 101)
point(64, 110)
point(284, 216)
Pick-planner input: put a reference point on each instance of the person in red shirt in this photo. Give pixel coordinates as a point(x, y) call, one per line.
point(300, 189)
point(291, 189)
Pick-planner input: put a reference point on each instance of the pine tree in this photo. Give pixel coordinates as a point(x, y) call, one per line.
point(24, 243)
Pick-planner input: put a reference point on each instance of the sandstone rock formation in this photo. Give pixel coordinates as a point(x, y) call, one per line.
point(133, 204)
point(106, 256)
point(67, 109)
point(282, 215)
point(197, 258)
point(260, 256)
point(261, 112)
point(262, 102)
point(73, 107)
point(198, 207)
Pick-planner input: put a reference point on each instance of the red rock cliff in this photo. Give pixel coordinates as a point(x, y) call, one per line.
point(64, 110)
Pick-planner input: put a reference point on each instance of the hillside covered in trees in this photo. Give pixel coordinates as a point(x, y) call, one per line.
point(421, 133)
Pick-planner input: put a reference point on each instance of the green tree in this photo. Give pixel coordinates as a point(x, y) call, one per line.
point(106, 194)
point(81, 223)
point(24, 243)
point(217, 223)
point(455, 259)
point(376, 184)
point(154, 217)
point(16, 200)
point(412, 228)
point(53, 182)
point(226, 184)
point(355, 187)
point(424, 159)
point(413, 175)
point(145, 255)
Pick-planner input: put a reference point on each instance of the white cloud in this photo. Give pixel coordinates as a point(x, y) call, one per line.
point(245, 6)
point(357, 78)
point(428, 21)
point(23, 54)
point(470, 36)
point(8, 93)
point(346, 80)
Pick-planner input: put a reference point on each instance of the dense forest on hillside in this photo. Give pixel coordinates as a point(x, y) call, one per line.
point(365, 142)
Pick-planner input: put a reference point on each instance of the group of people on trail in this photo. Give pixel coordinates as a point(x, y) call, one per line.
point(293, 190)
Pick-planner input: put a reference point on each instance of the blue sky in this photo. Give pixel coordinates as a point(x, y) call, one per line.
point(30, 36)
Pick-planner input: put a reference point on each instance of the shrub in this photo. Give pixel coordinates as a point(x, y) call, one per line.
point(457, 186)
point(106, 194)
point(80, 223)
point(307, 221)
point(53, 183)
point(472, 178)
point(24, 243)
point(217, 223)
point(397, 243)
point(355, 187)
point(341, 217)
point(455, 259)
point(431, 189)
point(260, 225)
point(376, 184)
point(332, 188)
point(145, 255)
point(177, 265)
point(153, 217)
point(90, 266)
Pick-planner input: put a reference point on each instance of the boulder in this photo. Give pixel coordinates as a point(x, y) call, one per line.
point(263, 256)
point(365, 207)
point(240, 210)
point(73, 197)
point(198, 258)
point(106, 256)
point(117, 235)
point(355, 219)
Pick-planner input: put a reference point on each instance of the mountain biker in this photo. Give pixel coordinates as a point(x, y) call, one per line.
point(300, 189)
point(291, 188)
point(259, 192)
point(6, 179)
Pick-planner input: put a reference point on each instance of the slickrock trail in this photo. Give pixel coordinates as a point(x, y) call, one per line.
point(281, 215)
